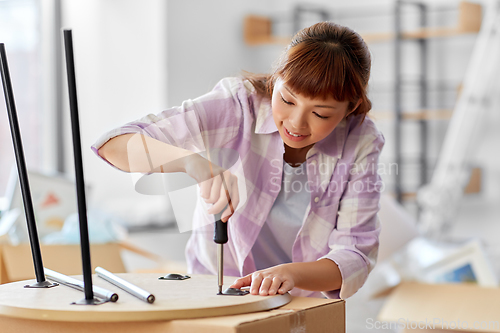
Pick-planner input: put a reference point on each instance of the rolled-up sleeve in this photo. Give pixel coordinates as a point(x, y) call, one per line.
point(354, 241)
point(207, 121)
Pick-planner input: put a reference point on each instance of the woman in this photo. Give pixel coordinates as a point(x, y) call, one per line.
point(309, 155)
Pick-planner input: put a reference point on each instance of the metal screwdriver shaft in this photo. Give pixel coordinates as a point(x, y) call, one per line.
point(220, 238)
point(220, 232)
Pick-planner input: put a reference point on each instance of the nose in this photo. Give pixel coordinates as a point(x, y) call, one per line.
point(298, 120)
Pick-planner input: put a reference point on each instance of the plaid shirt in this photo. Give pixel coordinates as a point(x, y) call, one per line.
point(340, 222)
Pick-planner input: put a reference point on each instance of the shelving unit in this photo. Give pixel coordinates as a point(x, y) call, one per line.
point(258, 31)
point(469, 22)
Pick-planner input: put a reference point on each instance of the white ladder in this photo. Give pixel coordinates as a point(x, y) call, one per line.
point(439, 200)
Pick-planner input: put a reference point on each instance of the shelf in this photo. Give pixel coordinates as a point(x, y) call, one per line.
point(432, 114)
point(428, 115)
point(435, 33)
point(472, 187)
point(417, 34)
point(407, 196)
point(376, 37)
point(257, 30)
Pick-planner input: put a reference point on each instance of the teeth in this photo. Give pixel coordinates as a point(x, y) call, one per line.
point(295, 135)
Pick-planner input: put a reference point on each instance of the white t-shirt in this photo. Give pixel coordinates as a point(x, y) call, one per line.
point(275, 241)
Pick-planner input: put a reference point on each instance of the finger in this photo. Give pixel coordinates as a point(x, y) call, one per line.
point(220, 204)
point(214, 191)
point(229, 211)
point(255, 285)
point(235, 194)
point(285, 287)
point(275, 286)
point(242, 282)
point(232, 192)
point(264, 286)
point(205, 188)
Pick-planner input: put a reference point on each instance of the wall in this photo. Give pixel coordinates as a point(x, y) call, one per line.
point(121, 68)
point(205, 44)
point(138, 57)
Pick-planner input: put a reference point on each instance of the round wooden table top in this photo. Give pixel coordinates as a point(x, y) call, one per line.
point(191, 298)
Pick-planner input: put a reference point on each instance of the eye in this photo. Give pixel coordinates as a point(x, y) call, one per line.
point(320, 116)
point(285, 101)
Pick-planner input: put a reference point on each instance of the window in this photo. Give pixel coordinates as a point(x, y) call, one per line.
point(20, 32)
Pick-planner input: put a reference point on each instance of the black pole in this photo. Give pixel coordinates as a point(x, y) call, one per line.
point(80, 182)
point(23, 174)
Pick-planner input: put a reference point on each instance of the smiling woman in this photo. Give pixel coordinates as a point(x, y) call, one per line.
point(313, 232)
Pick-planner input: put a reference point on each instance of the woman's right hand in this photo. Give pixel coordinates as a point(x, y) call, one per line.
point(217, 185)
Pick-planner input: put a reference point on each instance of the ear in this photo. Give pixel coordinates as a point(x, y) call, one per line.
point(354, 108)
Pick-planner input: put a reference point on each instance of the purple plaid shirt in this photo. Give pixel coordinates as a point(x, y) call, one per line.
point(340, 222)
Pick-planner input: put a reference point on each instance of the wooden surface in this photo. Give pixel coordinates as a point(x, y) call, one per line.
point(426, 114)
point(192, 298)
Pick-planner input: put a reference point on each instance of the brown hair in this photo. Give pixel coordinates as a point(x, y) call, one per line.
point(323, 60)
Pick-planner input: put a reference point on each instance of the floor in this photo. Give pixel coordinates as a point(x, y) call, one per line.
point(475, 218)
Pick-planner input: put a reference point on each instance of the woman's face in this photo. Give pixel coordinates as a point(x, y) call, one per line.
point(302, 121)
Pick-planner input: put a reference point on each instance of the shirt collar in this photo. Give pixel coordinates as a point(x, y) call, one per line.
point(264, 122)
point(332, 145)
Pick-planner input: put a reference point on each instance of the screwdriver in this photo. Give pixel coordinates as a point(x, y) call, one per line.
point(220, 238)
point(220, 232)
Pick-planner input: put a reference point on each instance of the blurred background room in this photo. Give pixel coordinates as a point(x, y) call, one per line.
point(433, 86)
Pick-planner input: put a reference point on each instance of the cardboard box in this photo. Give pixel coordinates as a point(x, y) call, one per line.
point(441, 308)
point(16, 262)
point(311, 315)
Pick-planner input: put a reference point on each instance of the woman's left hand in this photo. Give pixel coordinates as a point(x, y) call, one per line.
point(270, 281)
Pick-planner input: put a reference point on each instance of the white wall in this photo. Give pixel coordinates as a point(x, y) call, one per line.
point(121, 69)
point(205, 44)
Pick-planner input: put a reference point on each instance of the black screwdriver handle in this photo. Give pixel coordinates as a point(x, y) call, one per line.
point(220, 232)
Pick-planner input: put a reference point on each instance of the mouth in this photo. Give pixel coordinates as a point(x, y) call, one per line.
point(294, 136)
